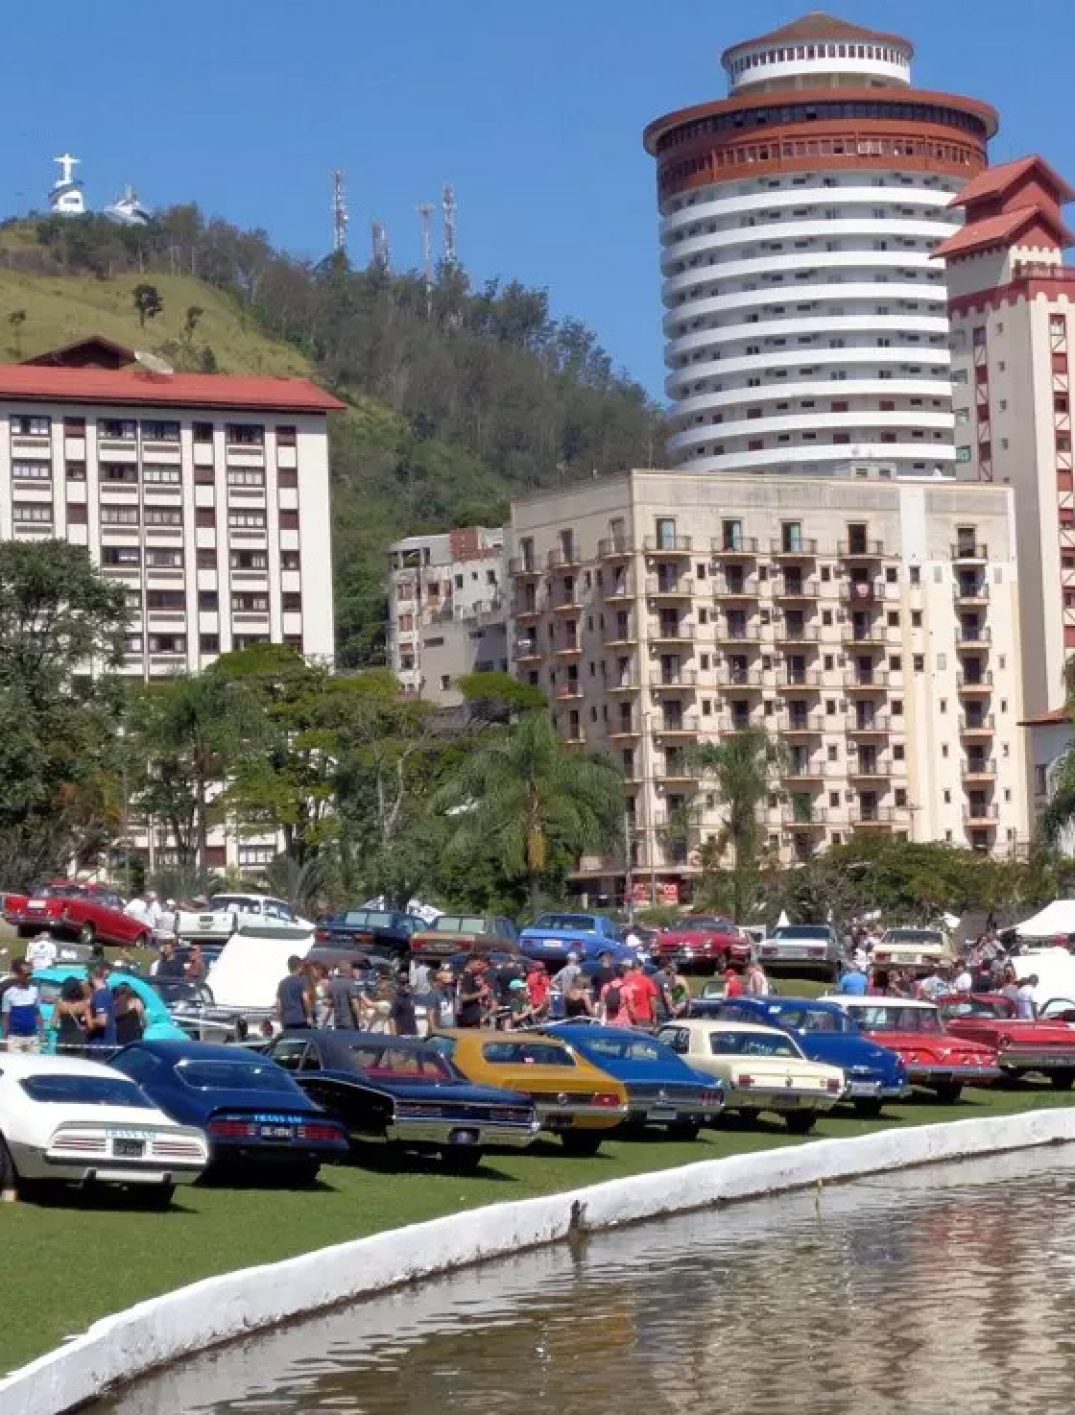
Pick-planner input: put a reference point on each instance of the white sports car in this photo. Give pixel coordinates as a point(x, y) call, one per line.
point(77, 1121)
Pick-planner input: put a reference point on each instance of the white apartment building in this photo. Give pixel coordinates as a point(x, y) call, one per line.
point(446, 613)
point(805, 320)
point(206, 496)
point(869, 622)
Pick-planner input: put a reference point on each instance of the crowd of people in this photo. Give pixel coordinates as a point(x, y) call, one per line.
point(985, 967)
point(88, 1015)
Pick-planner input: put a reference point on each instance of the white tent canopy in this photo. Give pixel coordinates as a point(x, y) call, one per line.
point(1056, 918)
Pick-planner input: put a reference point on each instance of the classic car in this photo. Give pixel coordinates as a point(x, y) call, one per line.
point(575, 1099)
point(193, 1008)
point(253, 1112)
point(160, 1025)
point(450, 934)
point(761, 1069)
point(62, 1118)
point(936, 1059)
point(803, 946)
point(224, 913)
point(551, 937)
point(661, 1088)
point(703, 941)
point(67, 909)
point(825, 1033)
point(1044, 1046)
point(917, 949)
point(386, 932)
point(399, 1091)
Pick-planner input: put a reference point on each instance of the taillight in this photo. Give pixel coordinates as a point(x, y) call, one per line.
point(882, 957)
point(604, 1098)
point(745, 1081)
point(322, 935)
point(231, 1129)
point(833, 1085)
point(711, 1098)
point(319, 1132)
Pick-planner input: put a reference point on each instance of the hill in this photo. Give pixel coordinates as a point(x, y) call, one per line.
point(458, 398)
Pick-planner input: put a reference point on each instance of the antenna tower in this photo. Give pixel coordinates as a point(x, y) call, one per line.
point(449, 225)
point(379, 246)
point(340, 216)
point(425, 212)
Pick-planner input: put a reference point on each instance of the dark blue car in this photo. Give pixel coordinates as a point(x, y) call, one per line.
point(251, 1110)
point(826, 1033)
point(661, 1088)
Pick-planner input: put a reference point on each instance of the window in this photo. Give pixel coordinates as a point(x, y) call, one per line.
point(160, 476)
point(75, 471)
point(915, 574)
point(247, 520)
point(164, 516)
point(291, 603)
point(249, 560)
point(919, 663)
point(31, 471)
point(250, 603)
point(166, 599)
point(30, 425)
point(164, 559)
point(116, 473)
point(286, 435)
point(208, 599)
point(168, 643)
point(121, 555)
point(289, 520)
point(246, 476)
point(39, 512)
point(160, 431)
point(290, 560)
point(117, 429)
point(119, 515)
point(962, 454)
point(202, 432)
point(245, 435)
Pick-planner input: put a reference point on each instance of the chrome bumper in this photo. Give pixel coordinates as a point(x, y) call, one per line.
point(1036, 1061)
point(774, 1098)
point(968, 1075)
point(440, 1133)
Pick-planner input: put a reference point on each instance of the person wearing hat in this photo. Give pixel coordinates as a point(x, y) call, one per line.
point(441, 1009)
point(539, 988)
point(520, 1008)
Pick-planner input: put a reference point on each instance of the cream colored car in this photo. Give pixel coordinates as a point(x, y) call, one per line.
point(918, 949)
point(762, 1068)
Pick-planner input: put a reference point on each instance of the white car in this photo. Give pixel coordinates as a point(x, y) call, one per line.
point(762, 1068)
point(80, 1122)
point(802, 947)
point(224, 913)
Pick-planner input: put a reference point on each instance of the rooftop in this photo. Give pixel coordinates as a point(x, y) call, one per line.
point(997, 181)
point(817, 25)
point(43, 382)
point(1001, 230)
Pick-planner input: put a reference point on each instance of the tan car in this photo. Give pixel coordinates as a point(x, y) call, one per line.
point(762, 1069)
point(918, 949)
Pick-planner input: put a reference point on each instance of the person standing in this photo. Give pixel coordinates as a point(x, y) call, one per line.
point(564, 982)
point(41, 952)
point(757, 984)
point(538, 988)
point(404, 1015)
point(1025, 1009)
point(102, 1029)
point(442, 1011)
point(577, 1000)
point(603, 974)
point(130, 1015)
point(294, 1001)
point(642, 996)
point(71, 1017)
point(613, 1000)
point(343, 996)
point(854, 982)
point(677, 992)
point(138, 908)
point(470, 1000)
point(21, 1011)
point(733, 983)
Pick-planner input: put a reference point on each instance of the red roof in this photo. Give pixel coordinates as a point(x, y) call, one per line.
point(818, 25)
point(1001, 230)
point(93, 352)
point(1049, 719)
point(995, 181)
point(36, 383)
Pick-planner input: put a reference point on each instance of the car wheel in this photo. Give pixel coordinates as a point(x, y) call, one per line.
point(800, 1122)
point(9, 1175)
point(582, 1142)
point(869, 1109)
point(1062, 1080)
point(461, 1159)
point(949, 1091)
point(685, 1130)
point(303, 1173)
point(87, 933)
point(157, 1198)
point(23, 932)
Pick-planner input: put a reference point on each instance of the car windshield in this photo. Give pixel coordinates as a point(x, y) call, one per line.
point(624, 1048)
point(683, 926)
point(237, 1075)
point(978, 1007)
point(802, 931)
point(526, 1054)
point(178, 990)
point(459, 923)
point(402, 1063)
point(565, 922)
point(750, 1044)
point(929, 936)
point(812, 1019)
point(73, 1089)
point(892, 1017)
point(371, 919)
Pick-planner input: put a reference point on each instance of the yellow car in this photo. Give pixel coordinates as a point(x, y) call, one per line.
point(573, 1098)
point(918, 949)
point(762, 1068)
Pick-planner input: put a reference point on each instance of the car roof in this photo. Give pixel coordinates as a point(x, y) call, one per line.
point(350, 1036)
point(482, 1034)
point(582, 1029)
point(176, 1050)
point(863, 1000)
point(21, 1064)
point(715, 1024)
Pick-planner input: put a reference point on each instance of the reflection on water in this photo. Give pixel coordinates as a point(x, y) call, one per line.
point(948, 1289)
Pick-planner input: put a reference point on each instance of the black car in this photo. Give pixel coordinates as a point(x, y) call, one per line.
point(399, 1091)
point(384, 931)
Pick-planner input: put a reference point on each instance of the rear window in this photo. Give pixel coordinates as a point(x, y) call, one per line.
point(749, 1044)
point(85, 1090)
point(233, 1076)
point(565, 921)
point(626, 1049)
point(405, 1064)
point(803, 931)
point(459, 923)
point(526, 1054)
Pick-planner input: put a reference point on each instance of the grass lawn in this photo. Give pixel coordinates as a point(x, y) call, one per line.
point(67, 1263)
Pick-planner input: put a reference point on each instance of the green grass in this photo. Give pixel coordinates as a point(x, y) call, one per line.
point(67, 1263)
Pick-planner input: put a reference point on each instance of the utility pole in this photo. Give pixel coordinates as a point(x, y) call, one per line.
point(425, 212)
point(340, 215)
point(381, 257)
point(449, 207)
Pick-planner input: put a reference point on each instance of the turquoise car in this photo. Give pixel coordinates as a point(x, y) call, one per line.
point(159, 1024)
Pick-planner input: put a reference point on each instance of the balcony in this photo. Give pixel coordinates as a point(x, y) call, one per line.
point(785, 633)
point(527, 651)
point(968, 639)
point(661, 587)
point(970, 551)
point(861, 769)
point(746, 634)
point(969, 593)
point(668, 545)
point(685, 725)
point(796, 819)
point(980, 769)
point(572, 649)
point(566, 557)
point(614, 548)
point(736, 589)
point(792, 588)
point(622, 636)
point(982, 725)
point(879, 725)
point(800, 724)
point(981, 814)
point(629, 682)
point(869, 637)
point(875, 817)
point(568, 692)
point(680, 769)
point(800, 679)
point(622, 588)
point(565, 604)
point(526, 613)
point(734, 548)
point(728, 724)
point(522, 568)
point(682, 680)
point(859, 680)
point(810, 773)
point(793, 549)
point(860, 548)
point(745, 679)
point(971, 683)
point(624, 730)
point(661, 632)
point(862, 592)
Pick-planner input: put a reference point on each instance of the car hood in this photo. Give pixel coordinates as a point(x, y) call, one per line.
point(940, 1045)
point(443, 1091)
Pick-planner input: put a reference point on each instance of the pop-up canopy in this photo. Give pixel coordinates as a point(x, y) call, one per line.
point(1055, 919)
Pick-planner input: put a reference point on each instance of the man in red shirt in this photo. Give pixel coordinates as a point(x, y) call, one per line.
point(733, 983)
point(538, 986)
point(641, 995)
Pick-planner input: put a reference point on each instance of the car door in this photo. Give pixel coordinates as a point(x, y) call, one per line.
point(343, 1092)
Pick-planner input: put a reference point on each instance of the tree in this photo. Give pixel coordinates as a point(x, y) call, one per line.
point(148, 301)
point(190, 321)
point(16, 319)
point(498, 697)
point(536, 803)
point(742, 768)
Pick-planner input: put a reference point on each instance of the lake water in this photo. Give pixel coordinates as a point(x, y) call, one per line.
point(947, 1290)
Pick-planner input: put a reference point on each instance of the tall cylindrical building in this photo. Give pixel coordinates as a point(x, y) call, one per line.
point(806, 324)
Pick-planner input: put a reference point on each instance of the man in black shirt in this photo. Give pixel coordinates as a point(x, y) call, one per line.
point(470, 998)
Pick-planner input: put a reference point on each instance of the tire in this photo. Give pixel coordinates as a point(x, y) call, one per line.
point(582, 1142)
point(461, 1159)
point(302, 1173)
point(1062, 1080)
point(949, 1091)
point(869, 1109)
point(684, 1130)
point(9, 1175)
point(87, 933)
point(157, 1198)
point(800, 1122)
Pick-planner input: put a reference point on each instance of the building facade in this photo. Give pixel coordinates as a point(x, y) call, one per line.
point(869, 623)
point(805, 322)
point(446, 613)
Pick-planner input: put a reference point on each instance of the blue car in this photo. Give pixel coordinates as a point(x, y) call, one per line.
point(253, 1113)
point(551, 937)
point(159, 1023)
point(826, 1033)
point(661, 1088)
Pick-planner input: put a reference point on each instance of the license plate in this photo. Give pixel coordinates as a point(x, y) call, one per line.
point(864, 1088)
point(35, 904)
point(559, 1122)
point(464, 1137)
point(661, 1112)
point(1058, 1061)
point(128, 1149)
point(276, 1132)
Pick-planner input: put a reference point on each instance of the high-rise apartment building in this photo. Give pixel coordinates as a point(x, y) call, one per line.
point(869, 624)
point(446, 613)
point(806, 328)
point(205, 496)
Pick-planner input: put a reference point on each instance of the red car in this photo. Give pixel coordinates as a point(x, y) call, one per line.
point(69, 909)
point(703, 941)
point(936, 1059)
point(1022, 1045)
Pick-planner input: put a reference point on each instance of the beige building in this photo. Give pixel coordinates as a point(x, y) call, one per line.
point(870, 623)
point(446, 615)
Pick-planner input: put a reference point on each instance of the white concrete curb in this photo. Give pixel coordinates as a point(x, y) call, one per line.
point(162, 1329)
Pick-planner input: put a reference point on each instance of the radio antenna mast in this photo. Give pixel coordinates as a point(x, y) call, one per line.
point(340, 216)
point(425, 212)
point(449, 225)
point(379, 246)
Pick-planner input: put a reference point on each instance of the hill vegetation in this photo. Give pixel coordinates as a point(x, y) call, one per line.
point(458, 398)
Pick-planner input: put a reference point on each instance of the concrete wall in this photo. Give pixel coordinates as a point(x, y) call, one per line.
point(163, 1329)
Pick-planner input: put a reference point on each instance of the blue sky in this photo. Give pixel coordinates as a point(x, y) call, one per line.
point(532, 110)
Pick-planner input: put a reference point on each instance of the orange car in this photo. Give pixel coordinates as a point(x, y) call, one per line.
point(573, 1098)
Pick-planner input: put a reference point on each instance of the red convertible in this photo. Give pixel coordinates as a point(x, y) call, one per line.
point(702, 941)
point(69, 909)
point(936, 1059)
point(1022, 1045)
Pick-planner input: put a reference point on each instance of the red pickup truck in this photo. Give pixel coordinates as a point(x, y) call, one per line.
point(69, 909)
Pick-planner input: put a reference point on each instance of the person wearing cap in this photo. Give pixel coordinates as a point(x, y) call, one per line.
point(441, 1010)
point(520, 1008)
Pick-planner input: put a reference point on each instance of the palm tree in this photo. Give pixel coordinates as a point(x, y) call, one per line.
point(742, 768)
point(525, 796)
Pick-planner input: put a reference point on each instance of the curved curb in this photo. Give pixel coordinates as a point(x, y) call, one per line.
point(217, 1309)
